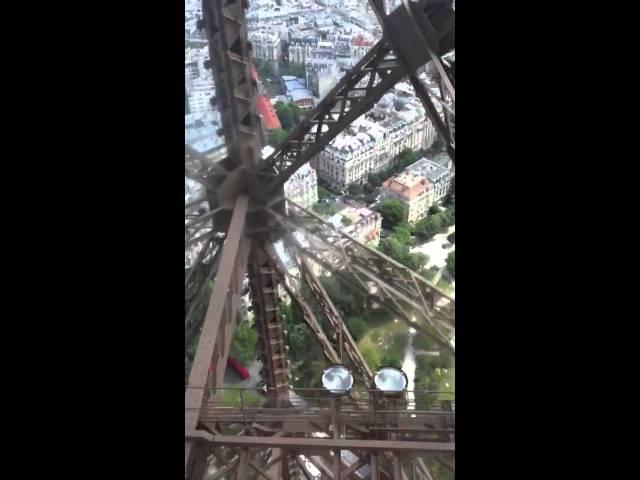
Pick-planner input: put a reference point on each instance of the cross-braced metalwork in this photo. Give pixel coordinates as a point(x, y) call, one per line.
point(230, 233)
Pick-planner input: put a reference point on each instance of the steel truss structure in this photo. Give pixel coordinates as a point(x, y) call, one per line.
point(230, 233)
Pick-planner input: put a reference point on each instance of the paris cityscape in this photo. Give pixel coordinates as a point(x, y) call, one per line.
point(386, 183)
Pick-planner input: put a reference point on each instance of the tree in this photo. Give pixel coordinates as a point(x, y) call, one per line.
point(393, 212)
point(394, 248)
point(298, 334)
point(348, 301)
point(375, 179)
point(323, 193)
point(243, 345)
point(424, 229)
point(346, 221)
point(391, 359)
point(289, 115)
point(355, 189)
point(264, 68)
point(357, 327)
point(369, 198)
point(451, 264)
point(293, 69)
point(324, 209)
point(434, 209)
point(368, 188)
point(402, 232)
point(451, 238)
point(370, 356)
point(416, 261)
point(276, 137)
point(437, 221)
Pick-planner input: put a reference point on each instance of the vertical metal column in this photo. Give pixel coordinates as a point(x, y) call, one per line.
point(263, 280)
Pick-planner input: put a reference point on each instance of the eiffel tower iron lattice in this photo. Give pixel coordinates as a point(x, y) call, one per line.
point(230, 233)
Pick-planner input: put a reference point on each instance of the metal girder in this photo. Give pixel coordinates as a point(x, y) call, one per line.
point(225, 469)
point(367, 81)
point(375, 73)
point(226, 31)
point(396, 287)
point(198, 167)
point(313, 324)
point(218, 324)
point(429, 24)
point(333, 316)
point(321, 444)
point(263, 281)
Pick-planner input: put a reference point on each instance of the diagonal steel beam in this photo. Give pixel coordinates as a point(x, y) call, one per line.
point(397, 288)
point(323, 444)
point(296, 150)
point(334, 317)
point(220, 304)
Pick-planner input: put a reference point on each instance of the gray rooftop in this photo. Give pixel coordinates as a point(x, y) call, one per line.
point(429, 169)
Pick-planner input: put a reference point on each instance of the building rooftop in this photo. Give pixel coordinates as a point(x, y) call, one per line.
point(353, 213)
point(429, 169)
point(407, 185)
point(301, 94)
point(361, 132)
point(270, 120)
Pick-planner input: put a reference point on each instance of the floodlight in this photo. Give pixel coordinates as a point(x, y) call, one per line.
point(390, 379)
point(337, 379)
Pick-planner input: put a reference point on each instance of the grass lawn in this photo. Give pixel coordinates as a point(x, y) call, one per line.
point(384, 337)
point(231, 398)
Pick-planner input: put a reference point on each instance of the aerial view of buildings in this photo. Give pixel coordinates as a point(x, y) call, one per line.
point(381, 193)
point(322, 39)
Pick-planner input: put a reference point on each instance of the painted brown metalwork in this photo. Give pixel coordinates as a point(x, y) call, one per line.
point(230, 231)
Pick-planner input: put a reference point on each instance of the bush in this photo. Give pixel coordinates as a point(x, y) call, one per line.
point(445, 286)
point(391, 360)
point(355, 189)
point(370, 356)
point(346, 221)
point(451, 264)
point(243, 345)
point(324, 209)
point(393, 212)
point(357, 327)
point(323, 193)
point(276, 137)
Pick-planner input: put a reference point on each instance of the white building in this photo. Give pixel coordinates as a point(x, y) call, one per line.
point(350, 157)
point(199, 96)
point(436, 173)
point(359, 222)
point(302, 187)
point(201, 133)
point(266, 44)
point(371, 143)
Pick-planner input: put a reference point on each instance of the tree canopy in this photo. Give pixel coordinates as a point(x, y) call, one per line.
point(276, 137)
point(357, 327)
point(354, 189)
point(288, 114)
point(393, 212)
point(397, 246)
point(243, 345)
point(405, 158)
point(427, 227)
point(451, 264)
